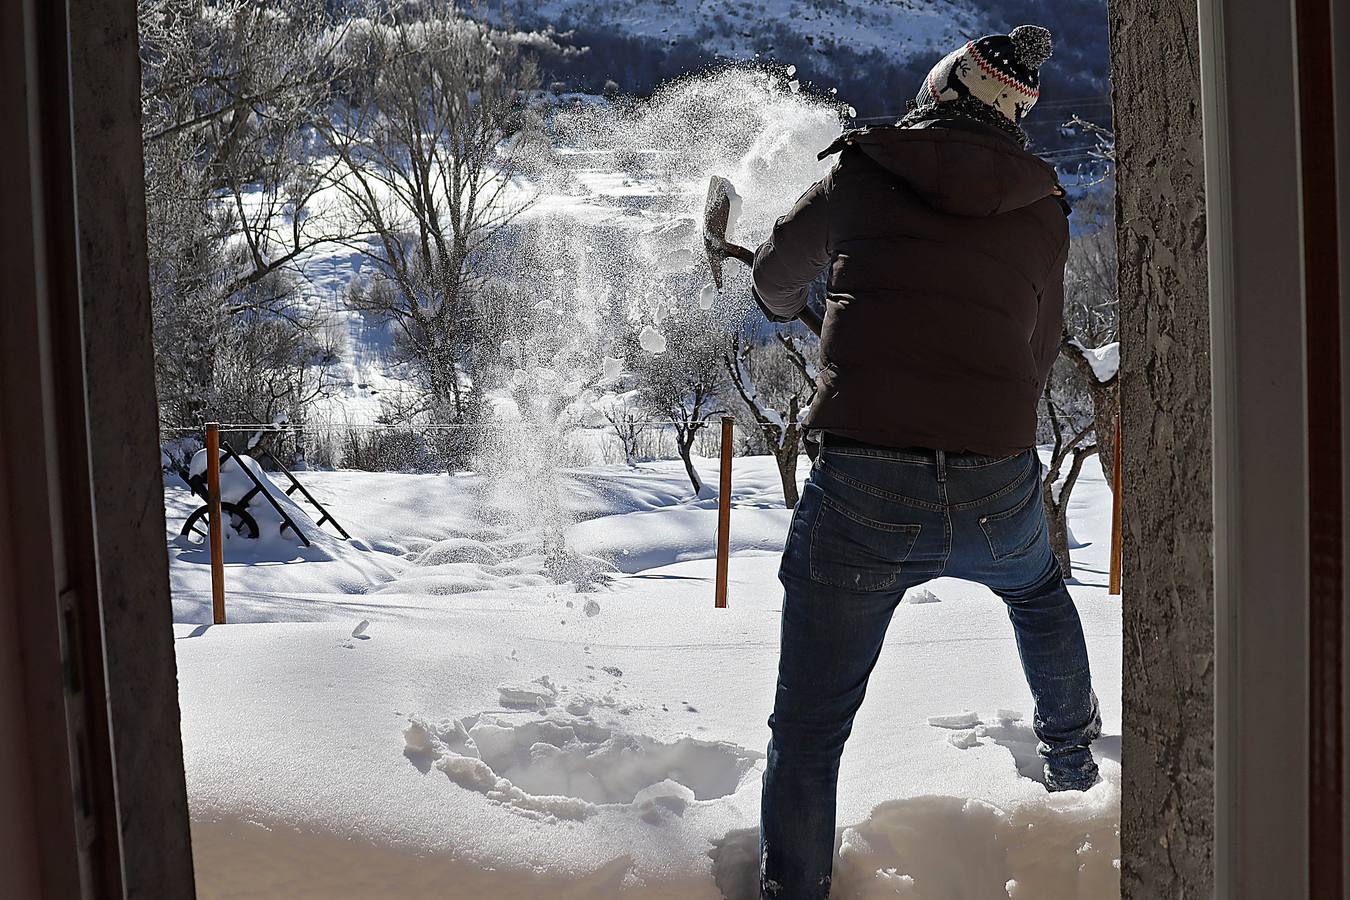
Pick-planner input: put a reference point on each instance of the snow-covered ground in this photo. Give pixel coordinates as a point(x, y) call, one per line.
point(426, 711)
point(439, 706)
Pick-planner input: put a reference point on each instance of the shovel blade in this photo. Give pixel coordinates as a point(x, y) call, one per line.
point(716, 212)
point(715, 260)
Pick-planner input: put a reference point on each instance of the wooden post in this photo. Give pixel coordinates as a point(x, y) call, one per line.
point(1116, 528)
point(217, 523)
point(724, 516)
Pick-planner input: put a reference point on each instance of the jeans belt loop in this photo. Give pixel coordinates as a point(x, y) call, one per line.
point(941, 465)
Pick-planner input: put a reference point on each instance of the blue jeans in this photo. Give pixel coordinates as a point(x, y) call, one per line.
point(871, 524)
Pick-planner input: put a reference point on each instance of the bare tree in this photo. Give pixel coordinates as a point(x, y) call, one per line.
point(1097, 369)
point(233, 89)
point(1103, 139)
point(776, 384)
point(1082, 398)
point(1069, 446)
point(229, 92)
point(437, 126)
point(683, 385)
point(1092, 317)
point(629, 422)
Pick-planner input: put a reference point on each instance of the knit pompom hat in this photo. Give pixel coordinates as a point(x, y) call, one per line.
point(1001, 71)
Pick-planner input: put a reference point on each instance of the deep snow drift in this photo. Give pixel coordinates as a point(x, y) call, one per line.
point(431, 712)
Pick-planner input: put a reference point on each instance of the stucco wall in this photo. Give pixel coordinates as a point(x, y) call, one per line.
point(1167, 814)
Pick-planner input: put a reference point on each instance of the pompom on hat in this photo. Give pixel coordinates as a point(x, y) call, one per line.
point(1001, 71)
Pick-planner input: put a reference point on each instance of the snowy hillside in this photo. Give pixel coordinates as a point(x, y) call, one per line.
point(873, 52)
point(422, 710)
point(895, 27)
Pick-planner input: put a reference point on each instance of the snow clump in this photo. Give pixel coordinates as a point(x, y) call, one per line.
point(653, 341)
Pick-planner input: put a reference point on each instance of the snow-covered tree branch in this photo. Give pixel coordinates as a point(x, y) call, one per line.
point(774, 384)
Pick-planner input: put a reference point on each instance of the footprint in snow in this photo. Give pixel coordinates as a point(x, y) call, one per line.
point(735, 866)
point(1017, 737)
point(966, 719)
point(537, 694)
point(566, 768)
point(964, 740)
point(1005, 728)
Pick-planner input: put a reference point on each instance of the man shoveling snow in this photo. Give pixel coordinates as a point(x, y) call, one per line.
point(946, 242)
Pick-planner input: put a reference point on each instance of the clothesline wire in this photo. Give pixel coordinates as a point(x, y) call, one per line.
point(430, 426)
point(438, 426)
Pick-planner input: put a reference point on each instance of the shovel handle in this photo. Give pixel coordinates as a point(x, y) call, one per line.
point(744, 254)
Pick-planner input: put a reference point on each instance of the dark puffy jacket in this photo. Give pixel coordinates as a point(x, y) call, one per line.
point(946, 248)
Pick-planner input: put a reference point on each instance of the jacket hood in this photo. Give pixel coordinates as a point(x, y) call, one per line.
point(955, 170)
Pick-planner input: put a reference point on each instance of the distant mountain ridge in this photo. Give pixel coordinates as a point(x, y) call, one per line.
point(737, 30)
point(875, 52)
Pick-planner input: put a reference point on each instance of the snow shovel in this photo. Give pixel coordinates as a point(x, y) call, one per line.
point(716, 213)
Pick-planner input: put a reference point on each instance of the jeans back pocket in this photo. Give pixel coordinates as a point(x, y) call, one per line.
point(852, 551)
point(1013, 530)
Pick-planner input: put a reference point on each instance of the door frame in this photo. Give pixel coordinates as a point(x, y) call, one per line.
point(86, 650)
point(1273, 98)
point(91, 748)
